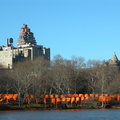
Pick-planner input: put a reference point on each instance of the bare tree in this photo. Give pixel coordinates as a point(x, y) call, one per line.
point(39, 71)
point(19, 76)
point(91, 77)
point(93, 63)
point(78, 62)
point(57, 60)
point(5, 81)
point(28, 75)
point(60, 79)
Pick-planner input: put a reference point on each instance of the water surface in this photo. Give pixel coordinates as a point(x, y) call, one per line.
point(61, 115)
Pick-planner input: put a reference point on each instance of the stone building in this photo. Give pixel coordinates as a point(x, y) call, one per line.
point(113, 61)
point(27, 48)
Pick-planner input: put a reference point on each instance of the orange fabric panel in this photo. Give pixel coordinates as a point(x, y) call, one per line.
point(82, 98)
point(53, 100)
point(96, 95)
point(62, 96)
point(46, 96)
point(70, 95)
point(44, 100)
point(81, 95)
point(112, 96)
point(87, 98)
point(15, 96)
point(68, 99)
point(86, 95)
point(58, 100)
point(108, 99)
point(118, 97)
point(76, 95)
point(72, 99)
point(56, 96)
point(91, 95)
point(63, 99)
point(103, 98)
point(9, 96)
point(106, 95)
point(31, 96)
point(101, 94)
point(66, 95)
point(77, 99)
point(100, 98)
point(4, 96)
point(51, 96)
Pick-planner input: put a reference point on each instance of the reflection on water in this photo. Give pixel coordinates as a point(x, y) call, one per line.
point(61, 115)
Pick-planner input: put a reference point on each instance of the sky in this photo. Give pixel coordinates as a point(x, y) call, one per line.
point(81, 28)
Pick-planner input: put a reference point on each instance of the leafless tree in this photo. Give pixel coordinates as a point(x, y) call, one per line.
point(40, 71)
point(78, 62)
point(57, 60)
point(94, 63)
point(5, 81)
point(92, 79)
point(60, 79)
point(28, 75)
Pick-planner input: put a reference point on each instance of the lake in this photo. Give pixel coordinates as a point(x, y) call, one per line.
point(61, 115)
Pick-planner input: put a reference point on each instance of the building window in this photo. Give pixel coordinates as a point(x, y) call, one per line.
point(43, 51)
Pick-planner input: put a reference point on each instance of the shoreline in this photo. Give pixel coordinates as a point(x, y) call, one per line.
point(21, 108)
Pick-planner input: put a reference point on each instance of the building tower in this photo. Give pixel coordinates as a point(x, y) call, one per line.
point(114, 60)
point(26, 37)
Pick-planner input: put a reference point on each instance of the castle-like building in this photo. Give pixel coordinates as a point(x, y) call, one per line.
point(113, 61)
point(27, 48)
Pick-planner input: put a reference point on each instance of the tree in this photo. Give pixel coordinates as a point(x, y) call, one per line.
point(6, 82)
point(78, 62)
point(20, 77)
point(92, 80)
point(28, 76)
point(39, 74)
point(57, 60)
point(61, 78)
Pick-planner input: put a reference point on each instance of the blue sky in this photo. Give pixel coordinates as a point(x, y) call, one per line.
point(86, 28)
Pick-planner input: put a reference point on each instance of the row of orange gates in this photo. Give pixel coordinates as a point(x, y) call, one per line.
point(56, 99)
